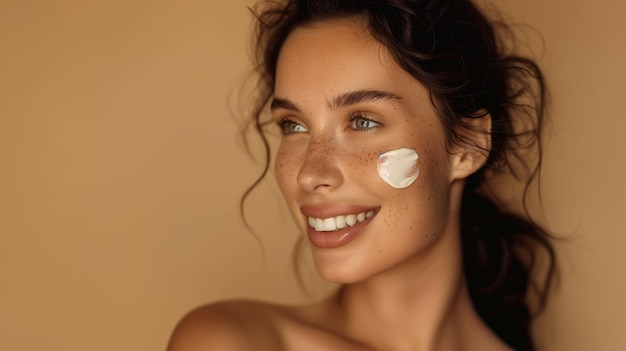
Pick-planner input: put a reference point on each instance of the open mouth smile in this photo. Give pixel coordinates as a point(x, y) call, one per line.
point(338, 222)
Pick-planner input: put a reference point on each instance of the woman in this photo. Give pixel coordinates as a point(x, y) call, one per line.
point(393, 114)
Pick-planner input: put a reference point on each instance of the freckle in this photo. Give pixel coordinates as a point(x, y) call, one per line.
point(380, 251)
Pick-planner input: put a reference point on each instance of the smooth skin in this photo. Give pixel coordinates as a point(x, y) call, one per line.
point(340, 101)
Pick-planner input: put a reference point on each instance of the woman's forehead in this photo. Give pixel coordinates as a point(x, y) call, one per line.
point(337, 56)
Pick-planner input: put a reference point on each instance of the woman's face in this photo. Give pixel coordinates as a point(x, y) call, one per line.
point(341, 102)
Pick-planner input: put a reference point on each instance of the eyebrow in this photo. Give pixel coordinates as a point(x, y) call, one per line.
point(278, 103)
point(360, 96)
point(343, 100)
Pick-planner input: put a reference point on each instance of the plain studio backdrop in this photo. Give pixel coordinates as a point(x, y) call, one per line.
point(121, 172)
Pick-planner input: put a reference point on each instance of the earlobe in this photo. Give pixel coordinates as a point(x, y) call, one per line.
point(474, 147)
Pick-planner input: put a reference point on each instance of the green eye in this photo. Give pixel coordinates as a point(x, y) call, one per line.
point(359, 122)
point(288, 126)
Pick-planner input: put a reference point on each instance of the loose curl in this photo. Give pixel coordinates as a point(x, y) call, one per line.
point(455, 51)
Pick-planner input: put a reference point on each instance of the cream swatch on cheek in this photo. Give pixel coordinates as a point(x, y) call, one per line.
point(398, 168)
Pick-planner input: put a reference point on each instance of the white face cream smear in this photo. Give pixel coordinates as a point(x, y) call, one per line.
point(398, 167)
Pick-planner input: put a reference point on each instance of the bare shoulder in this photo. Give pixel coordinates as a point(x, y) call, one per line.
point(249, 325)
point(231, 325)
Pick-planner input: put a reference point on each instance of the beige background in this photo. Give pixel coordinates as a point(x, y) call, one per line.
point(121, 174)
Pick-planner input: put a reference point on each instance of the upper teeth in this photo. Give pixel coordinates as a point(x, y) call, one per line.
point(339, 222)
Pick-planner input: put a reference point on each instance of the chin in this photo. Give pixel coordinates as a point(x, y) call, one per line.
point(340, 271)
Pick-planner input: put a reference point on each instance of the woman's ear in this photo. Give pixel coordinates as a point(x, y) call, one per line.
point(474, 147)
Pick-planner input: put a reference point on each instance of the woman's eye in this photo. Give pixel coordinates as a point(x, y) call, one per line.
point(288, 126)
point(362, 123)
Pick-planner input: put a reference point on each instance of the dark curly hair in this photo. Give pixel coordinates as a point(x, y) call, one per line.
point(452, 48)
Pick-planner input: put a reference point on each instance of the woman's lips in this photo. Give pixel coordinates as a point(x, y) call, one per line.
point(338, 230)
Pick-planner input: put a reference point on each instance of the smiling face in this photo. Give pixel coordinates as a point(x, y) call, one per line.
point(341, 101)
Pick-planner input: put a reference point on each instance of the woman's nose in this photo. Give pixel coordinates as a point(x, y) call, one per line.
point(320, 170)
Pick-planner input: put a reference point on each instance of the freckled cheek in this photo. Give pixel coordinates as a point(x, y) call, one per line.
point(417, 213)
point(414, 215)
point(361, 165)
point(288, 163)
point(430, 200)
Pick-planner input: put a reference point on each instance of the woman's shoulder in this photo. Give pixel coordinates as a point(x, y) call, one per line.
point(252, 325)
point(230, 325)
